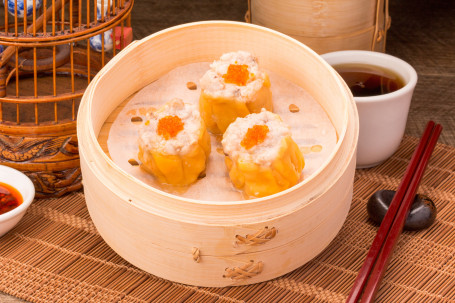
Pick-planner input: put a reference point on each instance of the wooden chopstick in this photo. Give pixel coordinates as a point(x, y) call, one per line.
point(397, 227)
point(386, 224)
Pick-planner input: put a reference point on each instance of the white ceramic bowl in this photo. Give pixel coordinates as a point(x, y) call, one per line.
point(25, 186)
point(382, 118)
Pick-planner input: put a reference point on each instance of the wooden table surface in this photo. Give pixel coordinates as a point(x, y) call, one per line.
point(422, 33)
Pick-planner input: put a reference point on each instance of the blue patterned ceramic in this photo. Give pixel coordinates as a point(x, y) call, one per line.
point(20, 7)
point(95, 41)
point(98, 9)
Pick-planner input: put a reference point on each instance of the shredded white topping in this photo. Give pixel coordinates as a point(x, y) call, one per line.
point(212, 83)
point(184, 141)
point(263, 153)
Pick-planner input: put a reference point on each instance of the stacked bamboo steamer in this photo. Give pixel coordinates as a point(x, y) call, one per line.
point(210, 243)
point(326, 26)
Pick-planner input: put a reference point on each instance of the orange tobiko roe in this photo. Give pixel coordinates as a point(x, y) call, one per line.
point(169, 126)
point(254, 136)
point(237, 74)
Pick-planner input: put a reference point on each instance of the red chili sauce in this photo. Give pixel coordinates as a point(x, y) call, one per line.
point(10, 198)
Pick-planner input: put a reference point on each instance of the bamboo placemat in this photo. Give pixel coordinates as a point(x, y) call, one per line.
point(56, 255)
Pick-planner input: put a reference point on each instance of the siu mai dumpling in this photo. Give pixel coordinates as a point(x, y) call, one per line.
point(233, 87)
point(174, 144)
point(261, 156)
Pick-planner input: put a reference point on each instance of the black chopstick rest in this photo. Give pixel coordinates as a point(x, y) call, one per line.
point(421, 215)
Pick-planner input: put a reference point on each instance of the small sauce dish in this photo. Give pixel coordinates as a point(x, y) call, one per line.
point(25, 187)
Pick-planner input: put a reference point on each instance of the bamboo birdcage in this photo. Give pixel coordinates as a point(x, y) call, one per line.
point(46, 64)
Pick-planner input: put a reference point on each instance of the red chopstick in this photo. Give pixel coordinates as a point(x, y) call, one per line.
point(376, 246)
point(421, 152)
point(384, 257)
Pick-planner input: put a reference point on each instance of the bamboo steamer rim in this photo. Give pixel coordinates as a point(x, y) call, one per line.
point(90, 91)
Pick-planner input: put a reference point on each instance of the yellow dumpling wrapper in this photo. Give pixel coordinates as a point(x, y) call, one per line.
point(234, 86)
point(261, 156)
point(219, 112)
point(263, 180)
point(178, 168)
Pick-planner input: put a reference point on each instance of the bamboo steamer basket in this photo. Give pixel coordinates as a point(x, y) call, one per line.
point(326, 26)
point(210, 243)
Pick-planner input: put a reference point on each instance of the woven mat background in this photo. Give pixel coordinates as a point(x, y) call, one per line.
point(56, 255)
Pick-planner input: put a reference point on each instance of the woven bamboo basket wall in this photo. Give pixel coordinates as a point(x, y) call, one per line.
point(206, 242)
point(51, 50)
point(326, 26)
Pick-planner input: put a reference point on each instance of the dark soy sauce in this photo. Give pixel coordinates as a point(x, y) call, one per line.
point(369, 80)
